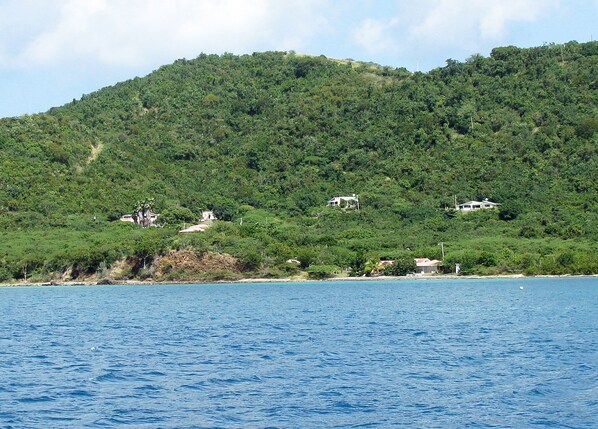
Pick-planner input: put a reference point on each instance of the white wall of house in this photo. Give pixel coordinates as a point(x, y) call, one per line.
point(207, 215)
point(344, 202)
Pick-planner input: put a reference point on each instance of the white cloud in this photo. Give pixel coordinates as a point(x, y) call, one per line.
point(375, 35)
point(494, 20)
point(447, 24)
point(462, 21)
point(142, 32)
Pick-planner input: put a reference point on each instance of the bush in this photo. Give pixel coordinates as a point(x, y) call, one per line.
point(306, 257)
point(528, 231)
point(225, 209)
point(5, 274)
point(565, 259)
point(467, 258)
point(176, 216)
point(250, 258)
point(87, 261)
point(319, 272)
point(146, 248)
point(288, 269)
point(487, 259)
point(508, 212)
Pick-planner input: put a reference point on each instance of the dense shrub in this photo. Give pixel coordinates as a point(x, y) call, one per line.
point(401, 267)
point(322, 271)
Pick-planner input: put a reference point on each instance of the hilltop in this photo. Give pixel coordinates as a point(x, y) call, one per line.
point(269, 138)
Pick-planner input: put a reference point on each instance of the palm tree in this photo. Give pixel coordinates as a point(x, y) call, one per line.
point(142, 214)
point(370, 267)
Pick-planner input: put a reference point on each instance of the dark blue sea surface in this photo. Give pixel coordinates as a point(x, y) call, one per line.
point(425, 354)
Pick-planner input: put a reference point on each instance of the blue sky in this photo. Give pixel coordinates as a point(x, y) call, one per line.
point(52, 51)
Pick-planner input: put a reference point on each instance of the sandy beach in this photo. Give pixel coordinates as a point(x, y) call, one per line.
point(292, 280)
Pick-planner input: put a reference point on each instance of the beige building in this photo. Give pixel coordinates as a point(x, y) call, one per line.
point(427, 266)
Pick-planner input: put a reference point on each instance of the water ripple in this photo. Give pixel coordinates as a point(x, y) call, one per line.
point(467, 354)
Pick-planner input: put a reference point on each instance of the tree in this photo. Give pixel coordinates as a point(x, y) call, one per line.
point(142, 214)
point(306, 257)
point(508, 212)
point(225, 209)
point(146, 248)
point(370, 266)
point(401, 267)
point(587, 127)
point(176, 216)
point(322, 271)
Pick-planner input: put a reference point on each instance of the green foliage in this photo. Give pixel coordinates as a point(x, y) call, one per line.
point(401, 267)
point(371, 266)
point(224, 209)
point(57, 153)
point(587, 127)
point(146, 247)
point(177, 216)
point(5, 274)
point(306, 257)
point(248, 253)
point(270, 137)
point(319, 272)
point(508, 212)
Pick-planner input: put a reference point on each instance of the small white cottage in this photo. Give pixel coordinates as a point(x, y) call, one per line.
point(345, 202)
point(207, 216)
point(127, 218)
point(476, 205)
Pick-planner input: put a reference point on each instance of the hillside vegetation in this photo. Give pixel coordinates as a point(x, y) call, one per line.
point(266, 139)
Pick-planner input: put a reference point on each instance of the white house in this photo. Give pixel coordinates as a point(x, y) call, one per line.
point(207, 216)
point(427, 266)
point(345, 202)
point(127, 218)
point(206, 221)
point(476, 205)
point(150, 220)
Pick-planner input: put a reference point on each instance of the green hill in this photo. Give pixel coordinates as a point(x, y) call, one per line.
point(270, 137)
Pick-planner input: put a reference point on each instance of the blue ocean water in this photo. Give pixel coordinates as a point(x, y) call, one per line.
point(425, 354)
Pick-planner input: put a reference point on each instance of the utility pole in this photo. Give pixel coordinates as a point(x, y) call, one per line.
point(441, 244)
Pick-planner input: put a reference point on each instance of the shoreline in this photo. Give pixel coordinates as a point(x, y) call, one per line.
point(294, 280)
